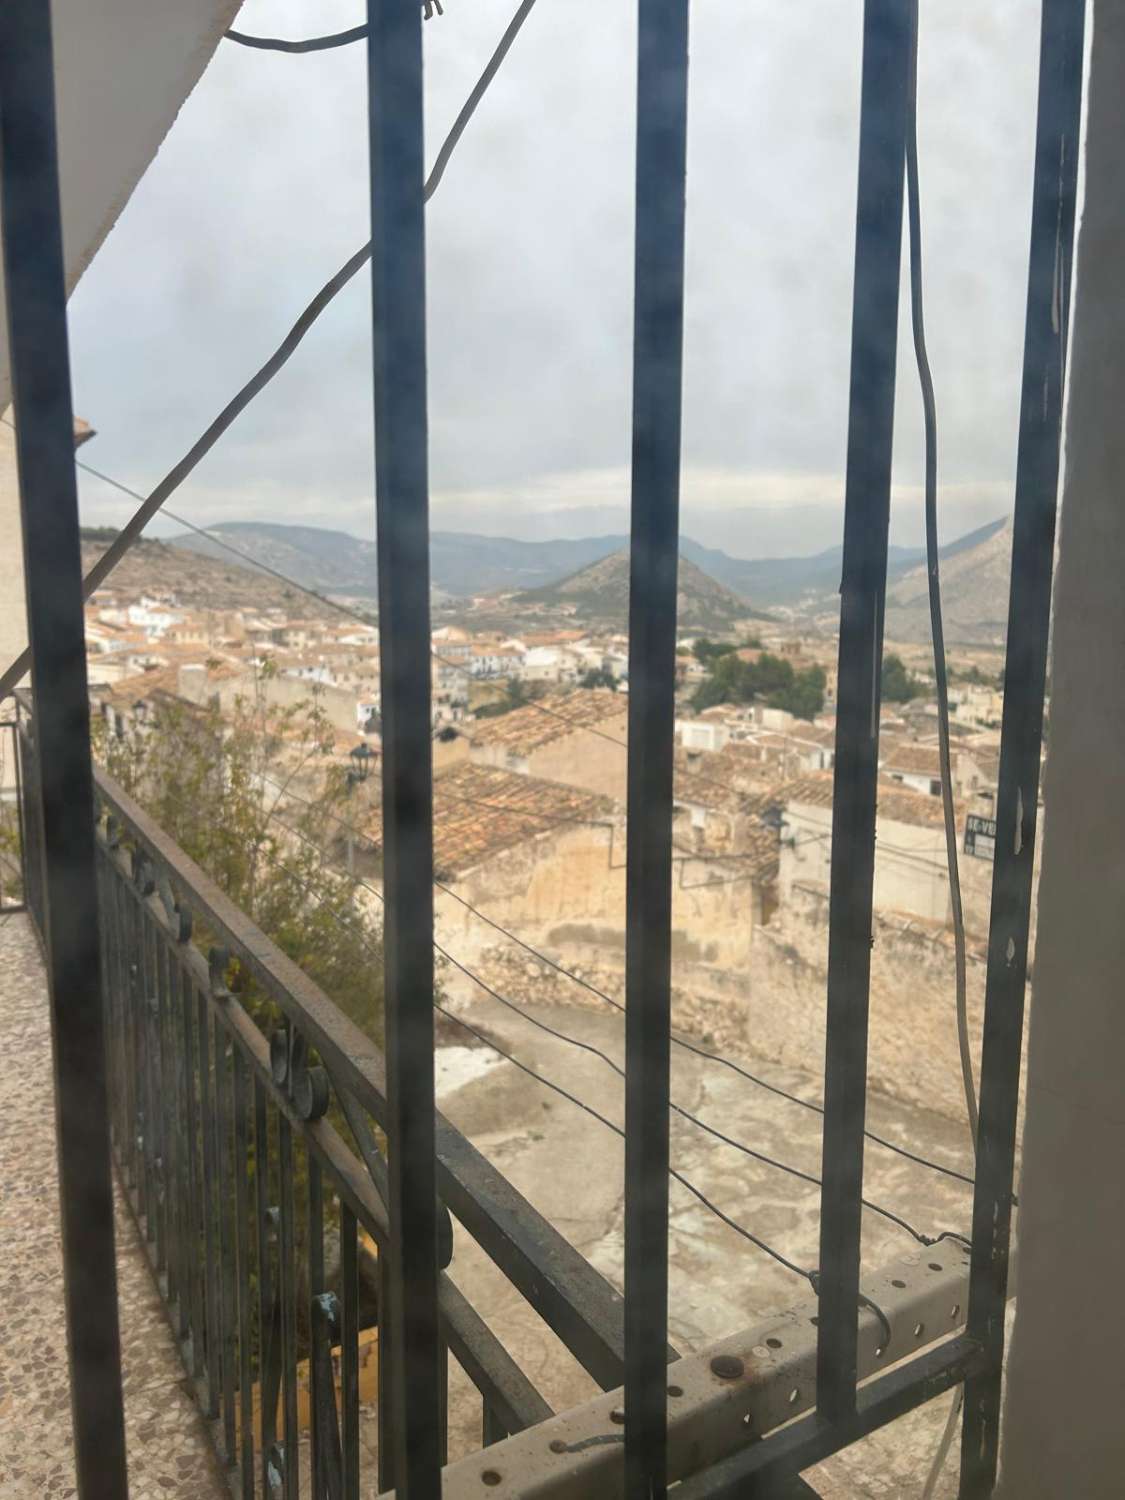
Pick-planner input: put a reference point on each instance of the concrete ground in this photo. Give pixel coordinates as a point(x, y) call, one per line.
point(169, 1449)
point(570, 1167)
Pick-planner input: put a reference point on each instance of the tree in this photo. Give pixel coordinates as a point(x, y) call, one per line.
point(223, 788)
point(805, 697)
point(599, 677)
point(706, 651)
point(898, 685)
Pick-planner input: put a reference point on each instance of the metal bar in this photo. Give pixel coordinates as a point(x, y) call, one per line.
point(327, 1460)
point(316, 1289)
point(21, 814)
point(225, 1188)
point(653, 563)
point(492, 1430)
point(245, 1273)
point(398, 265)
point(510, 1395)
point(287, 1291)
point(349, 1351)
point(766, 1470)
point(268, 1355)
point(210, 1209)
point(563, 1288)
point(35, 296)
point(478, 1351)
point(167, 1103)
point(1029, 618)
point(385, 1403)
point(883, 116)
point(742, 1393)
point(150, 1133)
point(194, 1175)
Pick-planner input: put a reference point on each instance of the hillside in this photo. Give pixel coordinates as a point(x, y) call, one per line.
point(464, 565)
point(199, 582)
point(974, 586)
point(332, 562)
point(599, 595)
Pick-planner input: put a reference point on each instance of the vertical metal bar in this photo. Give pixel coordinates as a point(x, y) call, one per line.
point(399, 315)
point(882, 145)
point(385, 1410)
point(21, 819)
point(225, 1188)
point(245, 1273)
point(1029, 615)
point(112, 926)
point(492, 1429)
point(316, 1329)
point(147, 1186)
point(35, 296)
point(287, 1291)
point(194, 1230)
point(654, 556)
point(210, 1208)
point(168, 1108)
point(349, 1351)
point(268, 1355)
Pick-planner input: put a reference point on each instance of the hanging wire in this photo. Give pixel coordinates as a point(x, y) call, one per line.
point(588, 1047)
point(153, 503)
point(608, 999)
point(929, 409)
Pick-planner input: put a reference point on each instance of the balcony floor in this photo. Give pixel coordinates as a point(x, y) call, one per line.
point(170, 1453)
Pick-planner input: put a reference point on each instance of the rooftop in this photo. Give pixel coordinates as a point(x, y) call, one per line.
point(552, 718)
point(480, 811)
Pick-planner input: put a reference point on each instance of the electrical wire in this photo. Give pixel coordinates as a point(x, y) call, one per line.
point(306, 44)
point(175, 477)
point(319, 43)
point(929, 409)
point(588, 1047)
point(563, 1093)
point(682, 1042)
point(608, 999)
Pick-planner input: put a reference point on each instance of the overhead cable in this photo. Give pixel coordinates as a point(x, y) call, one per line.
point(171, 482)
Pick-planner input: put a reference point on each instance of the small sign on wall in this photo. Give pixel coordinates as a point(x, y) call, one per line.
point(980, 836)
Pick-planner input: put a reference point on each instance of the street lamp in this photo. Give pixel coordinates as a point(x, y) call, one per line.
point(360, 768)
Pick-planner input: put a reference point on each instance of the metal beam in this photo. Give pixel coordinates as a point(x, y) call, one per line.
point(398, 290)
point(1021, 742)
point(725, 1399)
point(653, 562)
point(36, 307)
point(878, 248)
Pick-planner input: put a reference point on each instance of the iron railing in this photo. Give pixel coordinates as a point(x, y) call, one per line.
point(209, 1118)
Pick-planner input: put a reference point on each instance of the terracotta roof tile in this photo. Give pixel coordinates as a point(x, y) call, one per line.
point(552, 718)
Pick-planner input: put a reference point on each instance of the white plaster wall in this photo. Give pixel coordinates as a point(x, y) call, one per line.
point(1063, 1433)
point(123, 68)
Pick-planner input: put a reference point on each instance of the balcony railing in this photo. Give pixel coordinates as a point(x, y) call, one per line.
point(222, 1133)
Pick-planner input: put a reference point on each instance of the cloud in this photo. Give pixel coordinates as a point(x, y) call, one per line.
point(260, 193)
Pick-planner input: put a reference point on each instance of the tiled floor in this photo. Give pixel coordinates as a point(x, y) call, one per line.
point(170, 1452)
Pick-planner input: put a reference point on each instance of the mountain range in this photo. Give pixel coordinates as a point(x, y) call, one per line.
point(464, 565)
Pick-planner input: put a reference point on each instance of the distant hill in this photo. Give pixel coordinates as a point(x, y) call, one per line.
point(198, 582)
point(975, 573)
point(464, 564)
point(599, 595)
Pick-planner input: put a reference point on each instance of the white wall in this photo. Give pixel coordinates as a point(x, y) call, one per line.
point(1063, 1433)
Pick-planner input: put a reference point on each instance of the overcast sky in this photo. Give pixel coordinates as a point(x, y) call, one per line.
point(260, 193)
